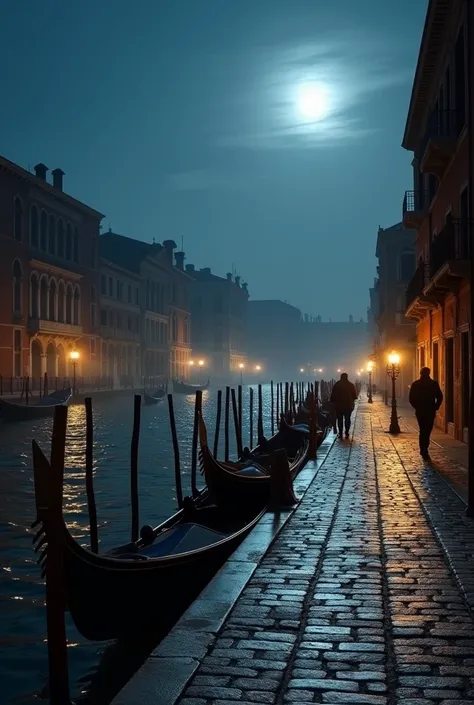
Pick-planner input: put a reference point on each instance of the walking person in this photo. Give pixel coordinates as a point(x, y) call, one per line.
point(343, 397)
point(425, 397)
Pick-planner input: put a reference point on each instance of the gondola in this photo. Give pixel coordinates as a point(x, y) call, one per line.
point(12, 411)
point(153, 398)
point(139, 583)
point(248, 482)
point(184, 388)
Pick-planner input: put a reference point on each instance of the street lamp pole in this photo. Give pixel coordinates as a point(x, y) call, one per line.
point(393, 370)
point(241, 368)
point(74, 358)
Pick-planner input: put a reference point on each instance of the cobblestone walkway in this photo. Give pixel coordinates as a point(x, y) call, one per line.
point(364, 596)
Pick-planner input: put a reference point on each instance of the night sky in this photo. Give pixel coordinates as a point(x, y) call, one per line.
point(266, 133)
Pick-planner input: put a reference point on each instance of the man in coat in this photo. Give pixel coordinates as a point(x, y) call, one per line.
point(425, 397)
point(343, 397)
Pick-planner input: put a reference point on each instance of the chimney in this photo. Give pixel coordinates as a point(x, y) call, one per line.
point(229, 277)
point(206, 270)
point(169, 246)
point(179, 258)
point(237, 281)
point(40, 171)
point(245, 286)
point(190, 268)
point(58, 178)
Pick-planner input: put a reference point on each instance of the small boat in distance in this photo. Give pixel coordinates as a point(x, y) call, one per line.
point(185, 388)
point(154, 397)
point(13, 411)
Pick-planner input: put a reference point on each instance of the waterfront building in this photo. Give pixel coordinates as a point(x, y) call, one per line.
point(390, 328)
point(274, 336)
point(162, 308)
point(49, 276)
point(439, 205)
point(219, 313)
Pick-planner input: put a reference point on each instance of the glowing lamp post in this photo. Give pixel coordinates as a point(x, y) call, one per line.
point(393, 370)
point(74, 357)
point(241, 368)
point(370, 367)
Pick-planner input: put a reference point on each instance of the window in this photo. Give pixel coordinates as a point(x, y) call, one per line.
point(111, 286)
point(406, 266)
point(137, 296)
point(436, 361)
point(129, 293)
point(69, 242)
point(103, 317)
point(93, 347)
point(17, 287)
point(449, 380)
point(119, 290)
point(44, 231)
point(34, 295)
point(76, 304)
point(103, 284)
point(129, 322)
point(17, 220)
point(52, 235)
point(52, 300)
point(75, 246)
point(34, 226)
point(186, 331)
point(61, 302)
point(60, 243)
point(174, 329)
point(93, 307)
point(111, 319)
point(17, 353)
point(69, 304)
point(119, 321)
point(44, 286)
point(174, 294)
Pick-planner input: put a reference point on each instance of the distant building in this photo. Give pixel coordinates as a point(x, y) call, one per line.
point(391, 330)
point(49, 275)
point(333, 346)
point(219, 312)
point(163, 307)
point(274, 336)
point(440, 205)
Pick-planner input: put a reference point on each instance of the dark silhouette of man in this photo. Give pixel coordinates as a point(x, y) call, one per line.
point(343, 396)
point(425, 397)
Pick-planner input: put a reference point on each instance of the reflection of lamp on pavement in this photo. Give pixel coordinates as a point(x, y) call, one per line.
point(241, 367)
point(393, 370)
point(74, 356)
point(370, 366)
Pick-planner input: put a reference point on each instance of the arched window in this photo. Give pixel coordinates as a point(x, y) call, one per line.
point(44, 231)
point(44, 287)
point(61, 301)
point(34, 295)
point(69, 242)
point(76, 305)
point(60, 242)
point(69, 299)
point(93, 307)
point(174, 329)
point(17, 286)
point(17, 219)
point(34, 226)
point(53, 295)
point(52, 235)
point(186, 331)
point(75, 246)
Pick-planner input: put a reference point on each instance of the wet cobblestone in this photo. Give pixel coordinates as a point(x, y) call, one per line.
point(359, 599)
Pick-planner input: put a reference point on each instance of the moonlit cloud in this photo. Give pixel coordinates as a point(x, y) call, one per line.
point(351, 68)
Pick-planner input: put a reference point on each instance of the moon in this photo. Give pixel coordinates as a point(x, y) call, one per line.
point(313, 101)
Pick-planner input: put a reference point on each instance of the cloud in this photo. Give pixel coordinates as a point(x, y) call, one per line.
point(353, 67)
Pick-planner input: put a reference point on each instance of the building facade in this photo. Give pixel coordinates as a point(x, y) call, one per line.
point(49, 275)
point(219, 312)
point(159, 292)
point(439, 205)
point(391, 330)
point(274, 336)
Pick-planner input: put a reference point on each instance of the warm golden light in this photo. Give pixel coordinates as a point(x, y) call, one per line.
point(201, 363)
point(191, 362)
point(258, 368)
point(370, 365)
point(339, 369)
point(394, 358)
point(320, 369)
point(74, 355)
point(241, 365)
point(302, 369)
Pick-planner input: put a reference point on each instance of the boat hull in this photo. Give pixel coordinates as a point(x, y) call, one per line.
point(13, 412)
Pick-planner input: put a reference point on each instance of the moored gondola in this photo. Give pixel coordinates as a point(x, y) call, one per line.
point(112, 594)
point(153, 398)
point(13, 411)
point(185, 388)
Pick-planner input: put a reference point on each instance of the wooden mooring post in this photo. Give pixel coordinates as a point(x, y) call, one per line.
point(238, 436)
point(197, 414)
point(272, 412)
point(226, 424)
point(177, 462)
point(251, 418)
point(218, 422)
point(260, 415)
point(137, 406)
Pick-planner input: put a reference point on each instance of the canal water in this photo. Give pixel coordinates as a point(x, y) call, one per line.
point(23, 655)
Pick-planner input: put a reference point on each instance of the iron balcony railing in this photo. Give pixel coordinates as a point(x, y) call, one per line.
point(451, 243)
point(441, 124)
point(415, 201)
point(416, 284)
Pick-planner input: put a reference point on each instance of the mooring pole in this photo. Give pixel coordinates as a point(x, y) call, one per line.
point(272, 414)
point(197, 413)
point(251, 418)
point(226, 424)
point(134, 466)
point(177, 462)
point(218, 422)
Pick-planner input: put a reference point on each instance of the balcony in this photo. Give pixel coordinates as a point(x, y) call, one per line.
point(112, 333)
point(417, 304)
point(415, 208)
point(41, 325)
point(439, 141)
point(449, 257)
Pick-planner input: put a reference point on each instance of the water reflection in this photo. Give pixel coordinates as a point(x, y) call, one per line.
point(23, 664)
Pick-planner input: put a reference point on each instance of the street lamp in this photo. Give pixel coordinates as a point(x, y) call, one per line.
point(74, 357)
point(339, 369)
point(241, 367)
point(370, 366)
point(320, 369)
point(301, 370)
point(258, 368)
point(393, 370)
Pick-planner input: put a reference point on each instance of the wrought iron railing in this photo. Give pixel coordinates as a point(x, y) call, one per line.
point(451, 243)
point(441, 124)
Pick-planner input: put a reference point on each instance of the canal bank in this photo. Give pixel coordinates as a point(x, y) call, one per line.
point(366, 594)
